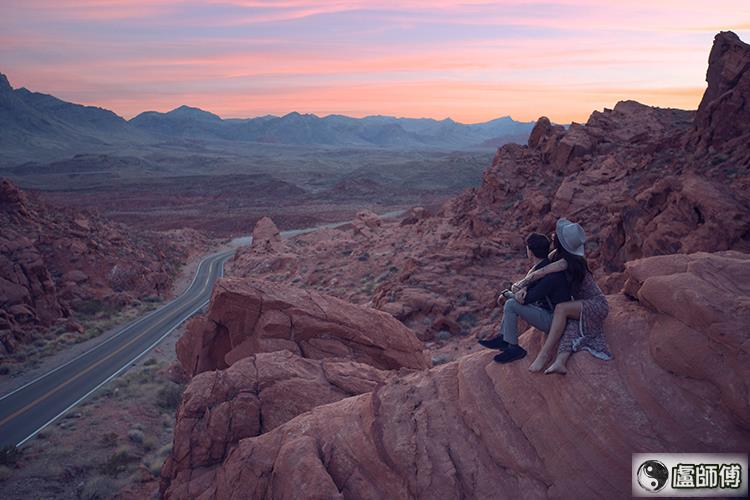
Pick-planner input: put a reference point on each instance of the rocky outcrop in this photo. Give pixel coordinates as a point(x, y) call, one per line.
point(267, 252)
point(246, 317)
point(252, 397)
point(365, 223)
point(724, 111)
point(472, 428)
point(266, 236)
point(56, 264)
point(668, 223)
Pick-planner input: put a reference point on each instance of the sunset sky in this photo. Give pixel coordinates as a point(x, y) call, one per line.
point(470, 60)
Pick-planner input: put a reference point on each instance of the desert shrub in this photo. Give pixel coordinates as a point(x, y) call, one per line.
point(149, 443)
point(464, 298)
point(90, 307)
point(122, 381)
point(149, 362)
point(98, 488)
point(136, 436)
point(154, 465)
point(164, 450)
point(169, 396)
point(109, 439)
point(440, 359)
point(4, 369)
point(117, 462)
point(467, 319)
point(5, 473)
point(9, 455)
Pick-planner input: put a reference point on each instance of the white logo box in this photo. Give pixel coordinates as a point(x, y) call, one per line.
point(705, 469)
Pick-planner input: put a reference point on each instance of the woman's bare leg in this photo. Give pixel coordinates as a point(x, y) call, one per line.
point(559, 365)
point(563, 311)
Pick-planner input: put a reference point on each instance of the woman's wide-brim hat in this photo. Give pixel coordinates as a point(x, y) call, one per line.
point(571, 236)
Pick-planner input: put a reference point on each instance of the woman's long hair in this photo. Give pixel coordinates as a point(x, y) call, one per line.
point(577, 265)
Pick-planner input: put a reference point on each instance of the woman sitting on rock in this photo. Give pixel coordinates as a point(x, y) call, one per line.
point(579, 322)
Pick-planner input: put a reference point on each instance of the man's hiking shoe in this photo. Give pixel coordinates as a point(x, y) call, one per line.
point(512, 353)
point(495, 343)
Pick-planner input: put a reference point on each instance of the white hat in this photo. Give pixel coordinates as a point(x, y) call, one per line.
point(570, 236)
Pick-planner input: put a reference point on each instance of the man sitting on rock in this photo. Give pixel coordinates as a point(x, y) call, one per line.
point(535, 304)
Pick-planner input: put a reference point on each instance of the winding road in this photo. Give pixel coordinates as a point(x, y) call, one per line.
point(25, 411)
point(30, 408)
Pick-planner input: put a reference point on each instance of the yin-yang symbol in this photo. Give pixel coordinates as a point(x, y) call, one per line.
point(652, 475)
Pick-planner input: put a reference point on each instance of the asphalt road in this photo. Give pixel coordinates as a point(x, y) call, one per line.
point(30, 408)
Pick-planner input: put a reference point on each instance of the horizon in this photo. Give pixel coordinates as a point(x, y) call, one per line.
point(471, 61)
point(321, 116)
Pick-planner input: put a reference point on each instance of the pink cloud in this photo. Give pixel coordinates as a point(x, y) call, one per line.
point(563, 58)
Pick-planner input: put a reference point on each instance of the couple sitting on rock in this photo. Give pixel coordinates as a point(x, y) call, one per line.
point(558, 296)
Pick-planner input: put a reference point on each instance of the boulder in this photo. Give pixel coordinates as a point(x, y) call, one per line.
point(253, 396)
point(266, 236)
point(366, 223)
point(251, 316)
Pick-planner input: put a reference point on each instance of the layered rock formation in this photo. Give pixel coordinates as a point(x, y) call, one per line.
point(475, 429)
point(253, 396)
point(251, 316)
point(728, 80)
point(58, 264)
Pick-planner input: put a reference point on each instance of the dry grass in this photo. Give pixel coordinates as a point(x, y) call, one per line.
point(106, 444)
point(54, 339)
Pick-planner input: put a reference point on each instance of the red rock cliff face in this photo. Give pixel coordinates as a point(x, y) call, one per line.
point(724, 112)
point(57, 264)
point(475, 429)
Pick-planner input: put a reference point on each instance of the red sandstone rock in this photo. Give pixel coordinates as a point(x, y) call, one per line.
point(724, 111)
point(253, 396)
point(251, 316)
point(365, 223)
point(266, 253)
point(415, 215)
point(55, 262)
point(472, 428)
point(266, 236)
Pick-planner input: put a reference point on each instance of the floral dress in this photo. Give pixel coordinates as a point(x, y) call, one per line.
point(588, 332)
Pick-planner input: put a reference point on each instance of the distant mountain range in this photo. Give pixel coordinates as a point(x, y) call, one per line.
point(334, 130)
point(41, 124)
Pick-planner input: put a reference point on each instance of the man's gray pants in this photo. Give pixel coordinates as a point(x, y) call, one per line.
point(536, 316)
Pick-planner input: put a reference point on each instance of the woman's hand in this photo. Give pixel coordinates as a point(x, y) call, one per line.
point(524, 282)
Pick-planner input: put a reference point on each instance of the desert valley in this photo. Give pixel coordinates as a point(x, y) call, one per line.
point(341, 360)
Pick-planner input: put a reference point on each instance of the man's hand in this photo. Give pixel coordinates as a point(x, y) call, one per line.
point(521, 296)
